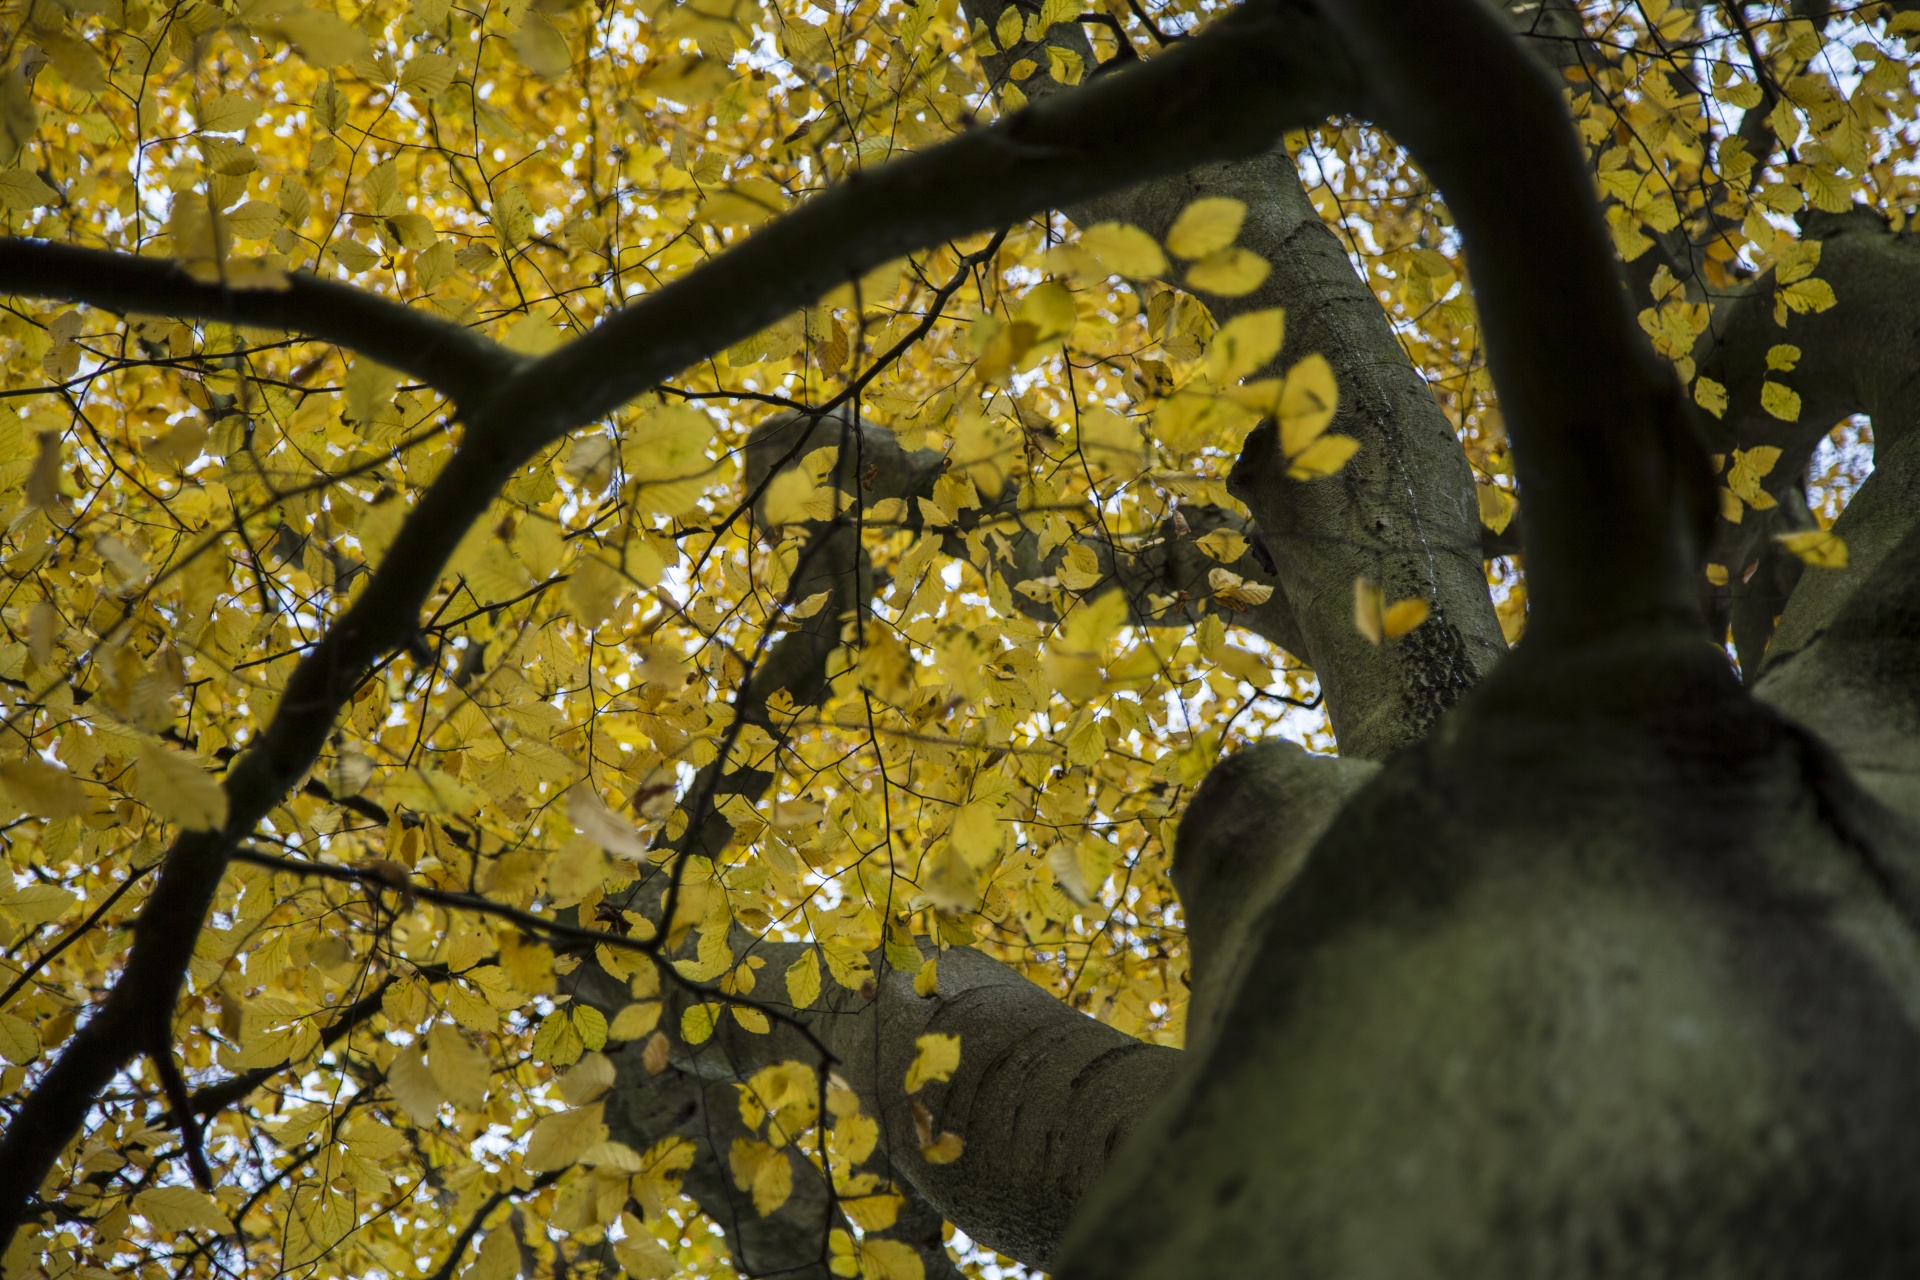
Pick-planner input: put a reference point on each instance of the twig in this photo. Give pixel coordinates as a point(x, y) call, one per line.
point(161, 1054)
point(73, 935)
point(445, 1270)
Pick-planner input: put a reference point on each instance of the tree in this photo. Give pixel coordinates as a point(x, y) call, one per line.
point(606, 674)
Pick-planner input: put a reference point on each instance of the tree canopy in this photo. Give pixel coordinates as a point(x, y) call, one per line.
point(609, 609)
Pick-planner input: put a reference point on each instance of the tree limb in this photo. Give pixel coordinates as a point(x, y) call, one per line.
point(453, 358)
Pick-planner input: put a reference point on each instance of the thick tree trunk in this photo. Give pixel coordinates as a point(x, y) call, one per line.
point(1616, 976)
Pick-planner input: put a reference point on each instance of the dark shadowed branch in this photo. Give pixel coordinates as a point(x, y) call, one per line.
point(453, 358)
point(1614, 476)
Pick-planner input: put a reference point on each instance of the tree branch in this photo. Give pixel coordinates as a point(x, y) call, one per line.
point(1615, 480)
point(1846, 366)
point(453, 358)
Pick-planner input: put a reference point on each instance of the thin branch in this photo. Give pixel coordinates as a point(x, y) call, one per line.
point(175, 1087)
point(446, 1269)
point(74, 934)
point(474, 902)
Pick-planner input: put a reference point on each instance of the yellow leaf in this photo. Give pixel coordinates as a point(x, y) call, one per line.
point(177, 788)
point(458, 1067)
point(635, 1022)
point(751, 1019)
point(944, 1149)
point(22, 191)
point(1064, 64)
point(926, 983)
point(542, 48)
point(1050, 309)
point(228, 113)
point(322, 39)
point(1497, 506)
point(763, 1169)
point(889, 1260)
point(803, 980)
point(19, 1042)
point(413, 1086)
point(640, 1255)
point(44, 789)
point(181, 1209)
point(427, 74)
point(1717, 574)
point(1308, 400)
point(1781, 401)
point(1229, 273)
point(428, 790)
point(533, 335)
point(786, 498)
point(1206, 226)
point(1123, 250)
point(1368, 606)
point(1818, 547)
point(1245, 344)
point(1710, 395)
point(1403, 616)
point(1323, 457)
point(561, 1139)
point(689, 79)
point(1008, 29)
point(936, 1057)
point(1231, 589)
point(872, 1212)
point(1749, 467)
point(1782, 357)
point(698, 1021)
point(591, 1025)
point(1222, 544)
point(1079, 568)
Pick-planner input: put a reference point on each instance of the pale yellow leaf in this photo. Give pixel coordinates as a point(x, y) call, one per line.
point(936, 1057)
point(1818, 547)
point(459, 1068)
point(1229, 273)
point(1206, 226)
point(803, 980)
point(635, 1022)
point(1123, 250)
point(1223, 545)
point(177, 788)
point(698, 1021)
point(561, 1139)
point(1245, 344)
point(43, 788)
point(181, 1209)
point(19, 1042)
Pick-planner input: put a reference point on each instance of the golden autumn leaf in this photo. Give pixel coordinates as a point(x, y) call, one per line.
point(179, 789)
point(1206, 226)
point(936, 1057)
point(1123, 250)
point(1818, 547)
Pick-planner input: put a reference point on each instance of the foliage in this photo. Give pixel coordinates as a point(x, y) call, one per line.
point(999, 761)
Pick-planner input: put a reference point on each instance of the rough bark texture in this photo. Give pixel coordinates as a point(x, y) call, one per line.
point(1646, 1007)
point(1401, 513)
point(1856, 358)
